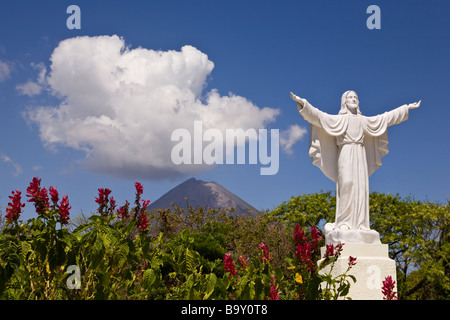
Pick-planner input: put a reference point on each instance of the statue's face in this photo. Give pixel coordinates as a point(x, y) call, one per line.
point(352, 101)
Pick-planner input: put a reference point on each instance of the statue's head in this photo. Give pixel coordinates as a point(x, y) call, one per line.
point(349, 103)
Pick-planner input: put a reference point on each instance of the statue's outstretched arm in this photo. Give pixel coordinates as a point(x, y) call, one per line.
point(300, 103)
point(399, 114)
point(414, 105)
point(309, 113)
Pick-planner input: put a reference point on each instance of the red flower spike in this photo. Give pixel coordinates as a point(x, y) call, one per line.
point(265, 251)
point(338, 249)
point(142, 222)
point(103, 194)
point(14, 208)
point(388, 289)
point(54, 195)
point(273, 289)
point(139, 188)
point(34, 189)
point(38, 196)
point(123, 211)
point(243, 262)
point(299, 235)
point(64, 208)
point(351, 261)
point(102, 200)
point(112, 204)
point(228, 264)
point(145, 204)
point(304, 255)
point(315, 237)
point(329, 251)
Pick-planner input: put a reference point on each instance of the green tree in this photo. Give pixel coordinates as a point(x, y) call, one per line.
point(418, 237)
point(417, 234)
point(307, 209)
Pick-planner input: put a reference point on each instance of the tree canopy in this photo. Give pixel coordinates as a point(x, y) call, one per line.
point(417, 234)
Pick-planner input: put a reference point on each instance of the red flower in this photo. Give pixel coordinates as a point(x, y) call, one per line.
point(265, 251)
point(15, 207)
point(64, 210)
point(351, 261)
point(145, 204)
point(54, 195)
point(228, 264)
point(333, 251)
point(103, 194)
point(315, 237)
point(123, 210)
point(388, 289)
point(243, 262)
point(112, 204)
point(139, 188)
point(304, 249)
point(339, 249)
point(273, 289)
point(38, 196)
point(142, 222)
point(304, 255)
point(102, 200)
point(329, 250)
point(299, 235)
point(34, 188)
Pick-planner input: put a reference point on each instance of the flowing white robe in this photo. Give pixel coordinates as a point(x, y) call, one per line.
point(348, 148)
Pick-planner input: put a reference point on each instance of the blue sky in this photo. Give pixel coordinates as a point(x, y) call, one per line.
point(260, 51)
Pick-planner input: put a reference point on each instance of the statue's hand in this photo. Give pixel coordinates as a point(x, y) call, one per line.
point(295, 98)
point(298, 100)
point(414, 105)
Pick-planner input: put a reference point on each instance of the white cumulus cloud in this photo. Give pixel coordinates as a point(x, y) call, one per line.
point(29, 88)
point(290, 136)
point(120, 105)
point(32, 88)
point(5, 71)
point(17, 167)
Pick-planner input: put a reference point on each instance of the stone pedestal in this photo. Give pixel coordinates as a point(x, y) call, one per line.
point(373, 265)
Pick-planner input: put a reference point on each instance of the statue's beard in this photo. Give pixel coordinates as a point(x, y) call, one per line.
point(352, 106)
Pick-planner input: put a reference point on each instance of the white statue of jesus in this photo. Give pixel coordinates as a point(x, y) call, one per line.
point(348, 148)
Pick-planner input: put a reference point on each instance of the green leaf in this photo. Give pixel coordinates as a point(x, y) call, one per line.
point(259, 287)
point(241, 285)
point(279, 274)
point(10, 250)
point(97, 252)
point(184, 235)
point(352, 277)
point(189, 284)
point(120, 254)
point(156, 262)
point(148, 278)
point(188, 261)
point(343, 289)
point(210, 285)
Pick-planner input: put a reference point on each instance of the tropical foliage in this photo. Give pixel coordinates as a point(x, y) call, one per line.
point(417, 234)
point(128, 252)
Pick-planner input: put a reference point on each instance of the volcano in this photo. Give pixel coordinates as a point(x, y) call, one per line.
point(198, 193)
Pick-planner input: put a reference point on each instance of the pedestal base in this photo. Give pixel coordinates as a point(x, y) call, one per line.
point(373, 265)
point(333, 235)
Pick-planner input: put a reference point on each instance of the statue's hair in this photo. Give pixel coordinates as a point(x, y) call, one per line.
point(344, 108)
